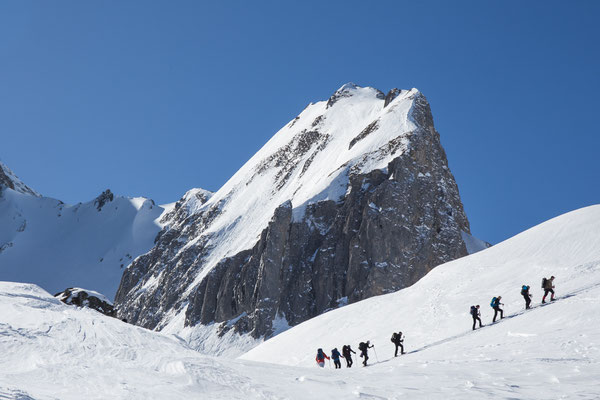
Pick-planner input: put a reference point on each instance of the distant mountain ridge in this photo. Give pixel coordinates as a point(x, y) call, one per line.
point(351, 199)
point(56, 245)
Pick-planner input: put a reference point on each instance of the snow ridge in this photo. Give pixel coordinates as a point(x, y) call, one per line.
point(56, 245)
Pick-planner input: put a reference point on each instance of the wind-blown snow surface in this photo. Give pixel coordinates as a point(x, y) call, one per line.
point(56, 245)
point(54, 351)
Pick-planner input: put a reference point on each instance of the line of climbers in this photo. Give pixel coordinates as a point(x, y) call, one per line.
point(398, 340)
point(363, 347)
point(547, 285)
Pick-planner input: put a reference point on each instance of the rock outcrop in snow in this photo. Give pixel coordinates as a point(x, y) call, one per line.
point(86, 298)
point(353, 198)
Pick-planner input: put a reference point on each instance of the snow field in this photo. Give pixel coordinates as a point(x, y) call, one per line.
point(53, 351)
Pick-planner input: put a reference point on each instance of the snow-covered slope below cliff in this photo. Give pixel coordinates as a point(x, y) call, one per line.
point(434, 312)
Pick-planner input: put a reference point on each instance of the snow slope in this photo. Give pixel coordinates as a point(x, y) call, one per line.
point(56, 245)
point(437, 307)
point(54, 351)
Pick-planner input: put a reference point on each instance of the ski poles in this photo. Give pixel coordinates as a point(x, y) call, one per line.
point(375, 351)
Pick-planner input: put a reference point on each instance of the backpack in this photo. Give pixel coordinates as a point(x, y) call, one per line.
point(474, 311)
point(362, 346)
point(524, 290)
point(345, 349)
point(493, 303)
point(393, 339)
point(320, 356)
point(544, 280)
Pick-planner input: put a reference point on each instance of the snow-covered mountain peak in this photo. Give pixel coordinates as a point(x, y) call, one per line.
point(353, 197)
point(10, 180)
point(351, 90)
point(347, 87)
point(310, 162)
point(191, 203)
point(195, 197)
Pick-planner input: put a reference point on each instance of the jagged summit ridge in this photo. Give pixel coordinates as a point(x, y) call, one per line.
point(10, 180)
point(57, 245)
point(351, 199)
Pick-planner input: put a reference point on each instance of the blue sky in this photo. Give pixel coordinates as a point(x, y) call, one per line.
point(154, 98)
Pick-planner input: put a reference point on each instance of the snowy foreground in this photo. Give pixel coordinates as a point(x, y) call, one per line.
point(53, 351)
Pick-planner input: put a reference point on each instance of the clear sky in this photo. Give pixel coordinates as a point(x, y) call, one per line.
point(153, 98)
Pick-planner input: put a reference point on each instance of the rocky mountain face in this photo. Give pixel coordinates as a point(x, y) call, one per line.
point(352, 199)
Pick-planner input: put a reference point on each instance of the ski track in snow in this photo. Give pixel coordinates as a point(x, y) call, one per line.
point(53, 351)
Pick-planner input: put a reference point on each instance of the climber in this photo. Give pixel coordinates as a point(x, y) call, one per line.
point(526, 296)
point(335, 356)
point(364, 348)
point(321, 358)
point(346, 352)
point(548, 286)
point(398, 340)
point(495, 304)
point(476, 315)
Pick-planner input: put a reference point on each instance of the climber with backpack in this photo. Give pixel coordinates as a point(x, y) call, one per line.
point(526, 296)
point(364, 348)
point(548, 286)
point(398, 340)
point(335, 356)
point(476, 315)
point(321, 356)
point(495, 304)
point(346, 352)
